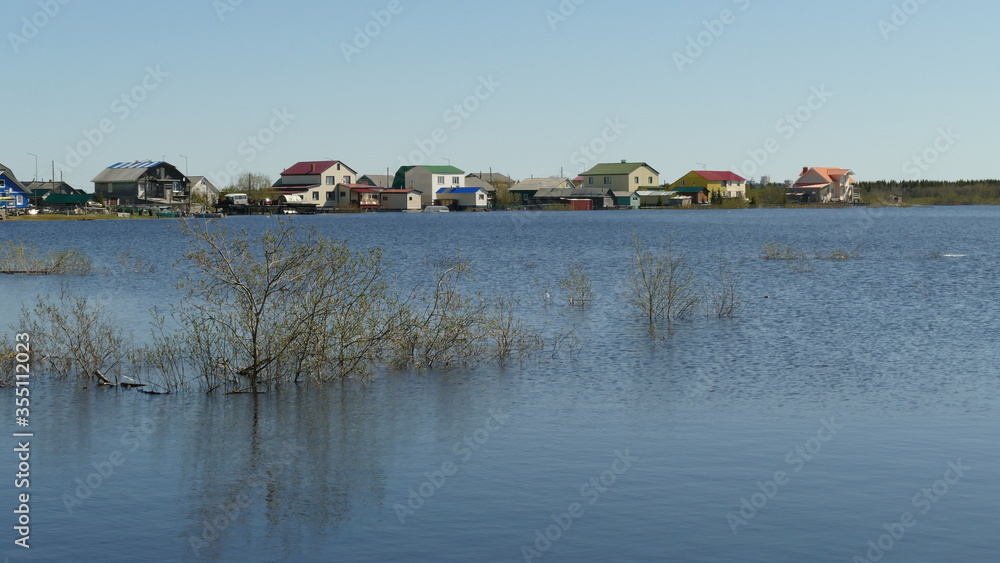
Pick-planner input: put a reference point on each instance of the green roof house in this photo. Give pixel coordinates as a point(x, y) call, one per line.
point(622, 177)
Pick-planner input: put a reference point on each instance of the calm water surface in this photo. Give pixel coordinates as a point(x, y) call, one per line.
point(799, 432)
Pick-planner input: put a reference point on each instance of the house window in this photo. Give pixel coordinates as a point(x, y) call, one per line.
point(454, 180)
point(441, 180)
point(347, 179)
point(19, 201)
point(637, 180)
point(650, 180)
point(385, 198)
point(481, 196)
point(331, 181)
point(329, 195)
point(3, 183)
point(343, 194)
point(411, 198)
point(315, 196)
point(338, 166)
point(607, 179)
point(590, 180)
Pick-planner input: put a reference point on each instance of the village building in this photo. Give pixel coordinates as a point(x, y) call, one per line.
point(202, 189)
point(527, 189)
point(428, 180)
point(621, 177)
point(722, 184)
point(400, 200)
point(149, 182)
point(825, 185)
point(13, 194)
point(322, 183)
point(463, 198)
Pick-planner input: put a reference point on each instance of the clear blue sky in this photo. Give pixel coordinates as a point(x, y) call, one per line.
point(925, 89)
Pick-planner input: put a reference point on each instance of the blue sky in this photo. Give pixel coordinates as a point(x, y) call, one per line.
point(891, 89)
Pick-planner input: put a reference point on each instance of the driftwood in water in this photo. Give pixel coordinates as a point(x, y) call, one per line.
point(102, 378)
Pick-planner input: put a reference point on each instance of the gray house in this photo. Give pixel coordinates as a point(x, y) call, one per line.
point(148, 182)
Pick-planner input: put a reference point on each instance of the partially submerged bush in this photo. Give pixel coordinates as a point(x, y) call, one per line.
point(28, 259)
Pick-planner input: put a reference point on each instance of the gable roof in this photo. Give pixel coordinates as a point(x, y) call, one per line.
point(380, 180)
point(492, 178)
point(821, 175)
point(720, 176)
point(535, 184)
point(617, 169)
point(311, 167)
point(472, 181)
point(582, 193)
point(6, 173)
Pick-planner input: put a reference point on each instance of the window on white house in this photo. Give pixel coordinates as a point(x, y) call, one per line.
point(315, 196)
point(481, 196)
point(338, 166)
point(331, 181)
point(441, 180)
point(650, 180)
point(636, 179)
point(329, 195)
point(347, 179)
point(454, 180)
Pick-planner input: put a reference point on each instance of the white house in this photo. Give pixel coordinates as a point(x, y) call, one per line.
point(428, 180)
point(463, 198)
point(317, 182)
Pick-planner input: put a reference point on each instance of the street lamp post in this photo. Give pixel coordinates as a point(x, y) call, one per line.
point(36, 166)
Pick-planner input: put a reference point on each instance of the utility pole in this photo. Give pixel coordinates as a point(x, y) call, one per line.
point(185, 163)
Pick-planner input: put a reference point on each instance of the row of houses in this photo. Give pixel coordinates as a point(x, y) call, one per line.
point(332, 184)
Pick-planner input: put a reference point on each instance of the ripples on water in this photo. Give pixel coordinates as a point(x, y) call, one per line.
point(896, 346)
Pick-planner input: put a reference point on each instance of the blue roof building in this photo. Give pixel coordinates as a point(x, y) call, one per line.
point(13, 194)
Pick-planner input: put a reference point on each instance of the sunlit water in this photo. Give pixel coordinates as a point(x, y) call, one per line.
point(798, 432)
